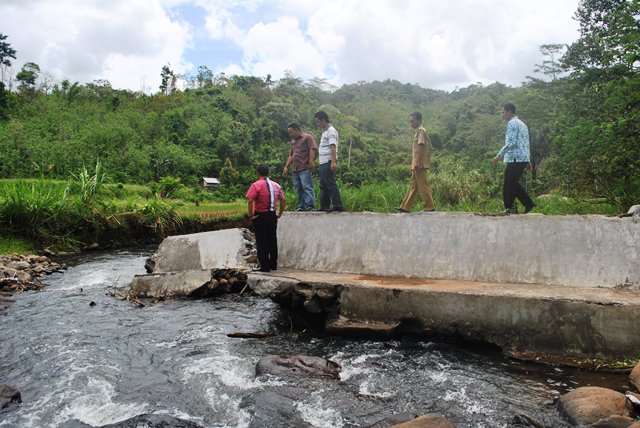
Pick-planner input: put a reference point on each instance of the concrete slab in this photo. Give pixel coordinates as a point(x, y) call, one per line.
point(558, 320)
point(577, 251)
point(170, 284)
point(228, 248)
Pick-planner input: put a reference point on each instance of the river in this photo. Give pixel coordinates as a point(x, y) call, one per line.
point(77, 354)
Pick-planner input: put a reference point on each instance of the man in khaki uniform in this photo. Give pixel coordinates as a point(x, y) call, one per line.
point(420, 164)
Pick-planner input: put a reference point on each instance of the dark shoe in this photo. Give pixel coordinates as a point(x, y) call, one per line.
point(428, 211)
point(402, 210)
point(528, 208)
point(259, 269)
point(300, 209)
point(274, 267)
point(509, 211)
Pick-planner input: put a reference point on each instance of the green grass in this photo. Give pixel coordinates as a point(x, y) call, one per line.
point(9, 244)
point(448, 196)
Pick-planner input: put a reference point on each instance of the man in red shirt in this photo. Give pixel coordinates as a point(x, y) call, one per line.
point(263, 196)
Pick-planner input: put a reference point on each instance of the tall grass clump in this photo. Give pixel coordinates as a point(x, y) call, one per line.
point(162, 218)
point(39, 211)
point(374, 197)
point(89, 187)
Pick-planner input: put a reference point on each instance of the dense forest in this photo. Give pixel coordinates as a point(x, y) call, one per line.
point(582, 106)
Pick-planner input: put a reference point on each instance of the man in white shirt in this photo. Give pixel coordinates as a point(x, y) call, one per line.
point(330, 200)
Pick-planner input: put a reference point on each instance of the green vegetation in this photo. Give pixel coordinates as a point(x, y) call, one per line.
point(9, 245)
point(151, 151)
point(38, 213)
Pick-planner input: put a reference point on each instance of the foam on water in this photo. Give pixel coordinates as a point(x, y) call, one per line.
point(469, 405)
point(228, 370)
point(228, 408)
point(315, 412)
point(95, 406)
point(370, 387)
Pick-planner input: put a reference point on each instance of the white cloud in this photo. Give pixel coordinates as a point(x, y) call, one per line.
point(280, 46)
point(438, 44)
point(434, 43)
point(125, 42)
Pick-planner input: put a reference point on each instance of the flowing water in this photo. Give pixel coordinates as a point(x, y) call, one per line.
point(106, 362)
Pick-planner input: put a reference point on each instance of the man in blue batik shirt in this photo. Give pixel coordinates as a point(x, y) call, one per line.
point(516, 157)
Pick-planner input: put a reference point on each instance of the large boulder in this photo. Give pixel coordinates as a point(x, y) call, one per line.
point(589, 404)
point(297, 365)
point(154, 421)
point(430, 420)
point(279, 404)
point(394, 420)
point(615, 421)
point(8, 396)
point(634, 377)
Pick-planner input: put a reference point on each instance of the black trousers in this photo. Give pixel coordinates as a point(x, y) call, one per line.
point(265, 226)
point(511, 188)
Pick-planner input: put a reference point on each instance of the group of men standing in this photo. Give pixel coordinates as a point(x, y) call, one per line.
point(302, 160)
point(266, 196)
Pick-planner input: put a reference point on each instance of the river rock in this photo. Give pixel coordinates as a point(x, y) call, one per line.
point(634, 377)
point(154, 421)
point(18, 265)
point(394, 420)
point(9, 395)
point(297, 365)
point(430, 420)
point(22, 272)
point(589, 404)
point(615, 421)
point(19, 275)
point(273, 405)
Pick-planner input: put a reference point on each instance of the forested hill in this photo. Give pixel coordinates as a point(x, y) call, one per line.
point(583, 112)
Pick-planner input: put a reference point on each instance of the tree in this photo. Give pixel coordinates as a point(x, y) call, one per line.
point(168, 85)
point(6, 53)
point(609, 36)
point(228, 174)
point(27, 77)
point(204, 78)
point(551, 65)
point(599, 132)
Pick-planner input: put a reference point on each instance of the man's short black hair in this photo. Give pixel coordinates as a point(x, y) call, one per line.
point(322, 115)
point(417, 115)
point(510, 107)
point(294, 125)
point(263, 170)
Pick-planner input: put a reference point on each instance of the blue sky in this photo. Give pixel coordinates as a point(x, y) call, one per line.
point(436, 44)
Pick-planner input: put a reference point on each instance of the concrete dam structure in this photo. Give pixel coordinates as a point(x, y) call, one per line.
point(540, 287)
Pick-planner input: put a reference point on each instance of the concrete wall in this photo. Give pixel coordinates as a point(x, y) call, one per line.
point(583, 251)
